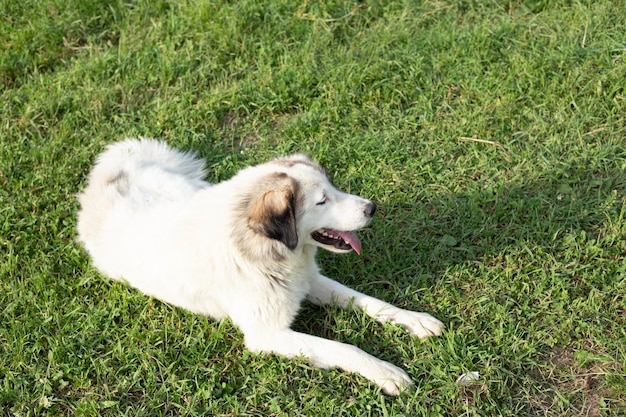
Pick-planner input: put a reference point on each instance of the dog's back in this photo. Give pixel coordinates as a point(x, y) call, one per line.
point(135, 175)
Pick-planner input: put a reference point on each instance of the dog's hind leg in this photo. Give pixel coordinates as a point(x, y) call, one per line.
point(327, 291)
point(324, 353)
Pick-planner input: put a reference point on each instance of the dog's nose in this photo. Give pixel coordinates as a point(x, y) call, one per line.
point(370, 209)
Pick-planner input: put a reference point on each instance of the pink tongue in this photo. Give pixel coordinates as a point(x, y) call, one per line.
point(351, 240)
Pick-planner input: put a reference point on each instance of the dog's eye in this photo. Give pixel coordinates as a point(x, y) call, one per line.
point(324, 201)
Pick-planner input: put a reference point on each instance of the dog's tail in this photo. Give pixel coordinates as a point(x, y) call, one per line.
point(129, 159)
point(136, 173)
point(131, 155)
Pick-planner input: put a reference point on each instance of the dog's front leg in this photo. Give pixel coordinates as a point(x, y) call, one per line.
point(327, 291)
point(324, 353)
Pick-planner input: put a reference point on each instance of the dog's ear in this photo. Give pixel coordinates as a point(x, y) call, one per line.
point(273, 212)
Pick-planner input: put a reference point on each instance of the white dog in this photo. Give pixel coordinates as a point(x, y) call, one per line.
point(243, 249)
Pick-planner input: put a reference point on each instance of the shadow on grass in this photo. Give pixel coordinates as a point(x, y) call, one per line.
point(523, 273)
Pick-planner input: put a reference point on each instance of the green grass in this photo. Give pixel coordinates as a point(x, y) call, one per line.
point(491, 134)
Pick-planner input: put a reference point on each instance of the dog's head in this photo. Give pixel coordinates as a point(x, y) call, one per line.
point(297, 205)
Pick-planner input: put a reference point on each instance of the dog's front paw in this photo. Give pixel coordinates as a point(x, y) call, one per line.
point(391, 379)
point(422, 325)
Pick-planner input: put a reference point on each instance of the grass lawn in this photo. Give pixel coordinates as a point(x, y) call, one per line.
point(491, 134)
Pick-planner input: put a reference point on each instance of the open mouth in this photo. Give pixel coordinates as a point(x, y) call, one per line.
point(340, 240)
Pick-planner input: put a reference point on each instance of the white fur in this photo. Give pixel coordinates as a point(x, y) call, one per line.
point(148, 218)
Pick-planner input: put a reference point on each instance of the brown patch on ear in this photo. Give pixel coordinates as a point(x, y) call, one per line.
point(273, 213)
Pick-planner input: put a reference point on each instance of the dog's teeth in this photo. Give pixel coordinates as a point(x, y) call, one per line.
point(329, 234)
